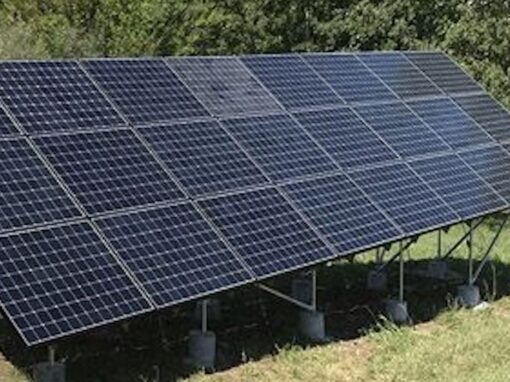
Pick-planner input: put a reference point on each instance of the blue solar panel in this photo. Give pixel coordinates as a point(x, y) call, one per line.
point(293, 82)
point(346, 217)
point(459, 186)
point(398, 126)
point(349, 77)
point(203, 157)
point(444, 72)
point(61, 280)
point(447, 119)
point(266, 231)
point(488, 113)
point(29, 193)
point(146, 91)
point(56, 95)
point(398, 72)
point(345, 137)
point(224, 85)
point(280, 146)
point(6, 125)
point(405, 197)
point(492, 164)
point(174, 253)
point(108, 170)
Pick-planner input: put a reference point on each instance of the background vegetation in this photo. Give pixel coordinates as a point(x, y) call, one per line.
point(476, 32)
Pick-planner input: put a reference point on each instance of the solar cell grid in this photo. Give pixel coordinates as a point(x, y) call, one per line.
point(203, 157)
point(345, 137)
point(488, 113)
point(108, 170)
point(444, 72)
point(60, 280)
point(405, 197)
point(54, 95)
point(347, 75)
point(448, 120)
point(402, 77)
point(404, 132)
point(280, 146)
point(224, 85)
point(146, 91)
point(174, 253)
point(266, 231)
point(459, 186)
point(291, 80)
point(6, 125)
point(342, 213)
point(29, 193)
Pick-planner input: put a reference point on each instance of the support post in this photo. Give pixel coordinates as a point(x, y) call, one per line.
point(202, 343)
point(50, 371)
point(470, 254)
point(396, 309)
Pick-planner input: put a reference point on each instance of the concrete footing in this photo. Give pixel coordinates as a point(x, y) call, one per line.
point(302, 290)
point(396, 311)
point(213, 310)
point(377, 281)
point(437, 269)
point(312, 326)
point(468, 296)
point(202, 349)
point(49, 372)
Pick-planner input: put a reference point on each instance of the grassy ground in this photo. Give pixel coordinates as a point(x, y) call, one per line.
point(257, 342)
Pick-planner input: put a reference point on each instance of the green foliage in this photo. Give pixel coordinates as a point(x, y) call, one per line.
point(476, 32)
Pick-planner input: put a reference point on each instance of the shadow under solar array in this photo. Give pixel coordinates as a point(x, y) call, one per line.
point(131, 185)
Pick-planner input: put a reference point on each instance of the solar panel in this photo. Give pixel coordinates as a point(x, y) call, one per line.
point(449, 121)
point(146, 91)
point(280, 146)
point(108, 170)
point(398, 72)
point(293, 82)
point(347, 75)
point(174, 253)
point(224, 85)
point(203, 157)
point(60, 280)
point(405, 197)
point(488, 113)
point(345, 137)
point(444, 72)
point(53, 95)
point(30, 195)
point(342, 213)
point(266, 231)
point(6, 125)
point(492, 164)
point(459, 186)
point(398, 126)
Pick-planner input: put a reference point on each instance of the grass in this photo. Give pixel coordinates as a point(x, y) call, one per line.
point(446, 343)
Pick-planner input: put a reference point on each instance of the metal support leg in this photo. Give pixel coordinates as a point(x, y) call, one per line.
point(396, 309)
point(439, 244)
point(401, 274)
point(202, 344)
point(50, 371)
point(51, 355)
point(470, 254)
point(204, 316)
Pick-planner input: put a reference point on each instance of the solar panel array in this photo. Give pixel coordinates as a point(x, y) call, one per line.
point(131, 185)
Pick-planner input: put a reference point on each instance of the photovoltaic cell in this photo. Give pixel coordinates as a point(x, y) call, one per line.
point(280, 146)
point(293, 82)
point(492, 164)
point(402, 77)
point(398, 126)
point(405, 197)
point(447, 119)
point(30, 195)
point(224, 85)
point(266, 231)
point(203, 157)
point(342, 213)
point(488, 113)
point(108, 170)
point(6, 125)
point(347, 75)
point(464, 191)
point(146, 91)
point(444, 72)
point(61, 280)
point(54, 95)
point(345, 137)
point(174, 253)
